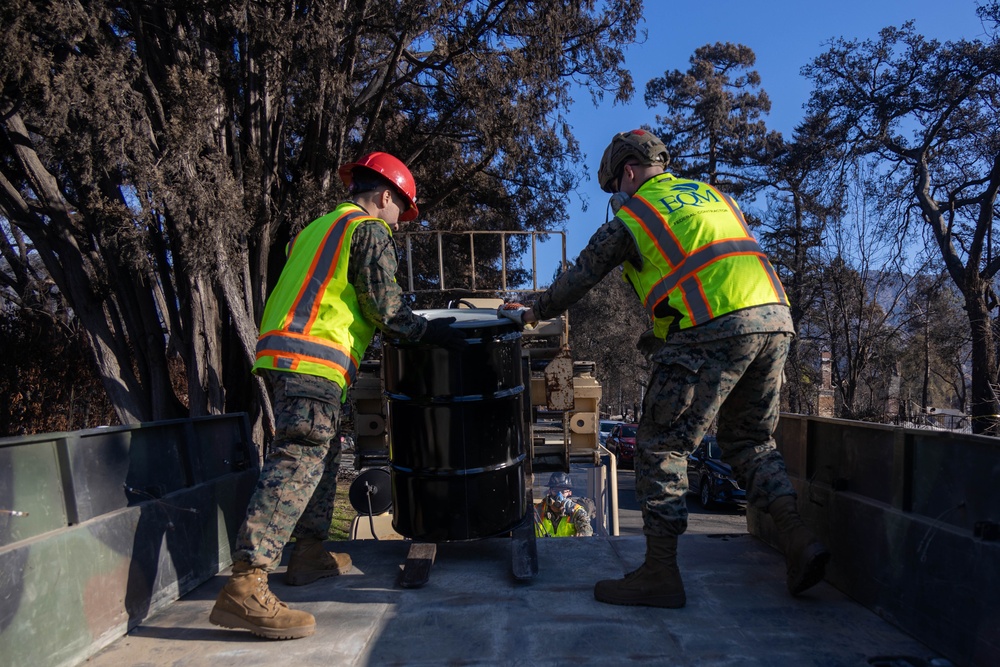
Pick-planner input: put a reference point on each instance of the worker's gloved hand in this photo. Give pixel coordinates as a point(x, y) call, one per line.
point(440, 332)
point(648, 344)
point(618, 200)
point(513, 312)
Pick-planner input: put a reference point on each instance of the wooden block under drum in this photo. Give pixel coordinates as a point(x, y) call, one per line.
point(417, 568)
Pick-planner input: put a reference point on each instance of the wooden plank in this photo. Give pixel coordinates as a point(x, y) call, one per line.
point(417, 568)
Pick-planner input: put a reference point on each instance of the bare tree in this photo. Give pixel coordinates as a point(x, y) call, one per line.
point(935, 360)
point(805, 193)
point(605, 327)
point(929, 112)
point(864, 284)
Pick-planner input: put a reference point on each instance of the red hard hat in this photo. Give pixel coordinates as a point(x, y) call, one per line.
point(393, 170)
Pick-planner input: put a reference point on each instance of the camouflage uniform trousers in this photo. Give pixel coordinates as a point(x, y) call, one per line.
point(298, 481)
point(737, 378)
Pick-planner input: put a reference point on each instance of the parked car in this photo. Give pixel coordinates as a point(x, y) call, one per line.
point(621, 442)
point(710, 478)
point(605, 430)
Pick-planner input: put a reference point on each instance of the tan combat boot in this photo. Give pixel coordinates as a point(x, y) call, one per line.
point(657, 582)
point(246, 603)
point(805, 555)
point(311, 561)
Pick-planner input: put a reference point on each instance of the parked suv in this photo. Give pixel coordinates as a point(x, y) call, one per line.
point(621, 442)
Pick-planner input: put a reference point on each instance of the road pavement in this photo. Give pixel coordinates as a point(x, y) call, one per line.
point(731, 520)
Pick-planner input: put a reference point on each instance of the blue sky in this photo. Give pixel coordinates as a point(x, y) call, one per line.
point(784, 34)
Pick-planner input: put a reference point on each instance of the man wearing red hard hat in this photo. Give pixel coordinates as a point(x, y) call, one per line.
point(338, 286)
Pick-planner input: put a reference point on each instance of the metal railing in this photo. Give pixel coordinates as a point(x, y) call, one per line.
point(408, 237)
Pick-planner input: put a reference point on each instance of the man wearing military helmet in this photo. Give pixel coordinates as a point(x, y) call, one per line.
point(720, 332)
point(337, 287)
point(559, 514)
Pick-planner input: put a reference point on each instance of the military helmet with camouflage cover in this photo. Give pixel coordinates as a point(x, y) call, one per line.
point(640, 145)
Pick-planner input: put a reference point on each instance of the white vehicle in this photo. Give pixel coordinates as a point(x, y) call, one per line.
point(605, 429)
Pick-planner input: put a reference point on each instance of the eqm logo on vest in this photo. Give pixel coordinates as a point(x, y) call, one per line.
point(689, 194)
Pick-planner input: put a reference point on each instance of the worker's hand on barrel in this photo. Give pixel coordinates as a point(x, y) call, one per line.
point(513, 312)
point(440, 332)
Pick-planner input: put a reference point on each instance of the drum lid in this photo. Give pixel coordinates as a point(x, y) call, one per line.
point(466, 317)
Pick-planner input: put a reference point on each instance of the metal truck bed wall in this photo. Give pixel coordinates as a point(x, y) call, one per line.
point(910, 515)
point(119, 523)
point(912, 518)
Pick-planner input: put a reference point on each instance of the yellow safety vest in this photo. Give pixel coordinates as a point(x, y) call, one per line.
point(700, 260)
point(563, 527)
point(312, 321)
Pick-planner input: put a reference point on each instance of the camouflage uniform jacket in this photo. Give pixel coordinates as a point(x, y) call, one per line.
point(372, 271)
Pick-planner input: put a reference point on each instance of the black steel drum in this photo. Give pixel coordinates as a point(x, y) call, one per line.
point(456, 431)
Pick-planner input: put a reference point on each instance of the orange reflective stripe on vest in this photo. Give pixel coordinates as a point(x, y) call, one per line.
point(684, 271)
point(288, 350)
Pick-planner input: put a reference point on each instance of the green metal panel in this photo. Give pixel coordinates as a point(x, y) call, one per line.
point(911, 519)
point(31, 495)
point(851, 456)
point(116, 468)
point(955, 478)
point(157, 457)
point(117, 526)
point(218, 447)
